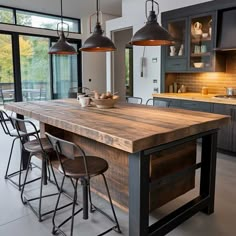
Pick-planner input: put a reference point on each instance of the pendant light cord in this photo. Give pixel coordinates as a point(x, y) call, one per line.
point(98, 10)
point(61, 14)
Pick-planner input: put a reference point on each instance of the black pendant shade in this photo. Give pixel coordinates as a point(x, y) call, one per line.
point(152, 34)
point(97, 42)
point(62, 47)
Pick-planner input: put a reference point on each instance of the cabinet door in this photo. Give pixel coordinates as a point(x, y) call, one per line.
point(233, 125)
point(176, 55)
point(225, 137)
point(202, 42)
point(196, 106)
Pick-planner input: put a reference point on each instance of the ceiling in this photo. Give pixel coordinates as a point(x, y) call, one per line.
point(71, 8)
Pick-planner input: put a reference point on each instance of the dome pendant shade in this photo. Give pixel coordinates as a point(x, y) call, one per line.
point(97, 42)
point(152, 34)
point(62, 47)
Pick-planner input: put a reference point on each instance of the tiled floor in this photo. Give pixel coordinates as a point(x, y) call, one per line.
point(17, 219)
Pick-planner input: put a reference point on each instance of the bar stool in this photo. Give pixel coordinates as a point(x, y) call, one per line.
point(42, 149)
point(75, 165)
point(9, 129)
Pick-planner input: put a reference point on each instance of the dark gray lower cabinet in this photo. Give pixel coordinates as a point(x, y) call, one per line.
point(227, 133)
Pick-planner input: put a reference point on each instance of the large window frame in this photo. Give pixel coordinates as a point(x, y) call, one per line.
point(65, 18)
point(17, 65)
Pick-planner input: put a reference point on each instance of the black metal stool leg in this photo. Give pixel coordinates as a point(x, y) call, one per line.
point(58, 199)
point(73, 207)
point(84, 183)
point(9, 159)
point(24, 183)
point(41, 188)
point(112, 207)
point(92, 208)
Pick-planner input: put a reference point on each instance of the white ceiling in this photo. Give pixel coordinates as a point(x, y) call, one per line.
point(72, 8)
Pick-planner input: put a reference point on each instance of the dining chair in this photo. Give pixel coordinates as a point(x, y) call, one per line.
point(5, 99)
point(9, 128)
point(42, 149)
point(134, 100)
point(77, 166)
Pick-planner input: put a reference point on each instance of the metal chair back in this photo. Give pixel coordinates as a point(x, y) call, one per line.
point(6, 122)
point(26, 129)
point(134, 100)
point(68, 150)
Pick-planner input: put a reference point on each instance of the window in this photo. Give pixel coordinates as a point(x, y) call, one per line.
point(36, 20)
point(6, 15)
point(44, 21)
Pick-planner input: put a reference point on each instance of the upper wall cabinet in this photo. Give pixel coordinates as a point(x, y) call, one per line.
point(195, 40)
point(176, 55)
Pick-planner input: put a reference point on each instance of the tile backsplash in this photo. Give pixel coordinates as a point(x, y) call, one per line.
point(216, 82)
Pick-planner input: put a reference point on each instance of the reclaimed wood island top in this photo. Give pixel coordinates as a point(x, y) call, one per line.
point(127, 127)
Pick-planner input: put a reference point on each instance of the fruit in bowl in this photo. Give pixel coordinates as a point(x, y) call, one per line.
point(105, 100)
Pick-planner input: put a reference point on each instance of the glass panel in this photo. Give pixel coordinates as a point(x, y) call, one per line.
point(44, 21)
point(6, 69)
point(6, 15)
point(35, 68)
point(177, 29)
point(201, 42)
point(65, 75)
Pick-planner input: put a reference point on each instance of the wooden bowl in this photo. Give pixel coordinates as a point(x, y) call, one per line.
point(105, 103)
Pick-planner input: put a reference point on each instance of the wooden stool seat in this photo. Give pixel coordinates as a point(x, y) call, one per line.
point(34, 146)
point(75, 168)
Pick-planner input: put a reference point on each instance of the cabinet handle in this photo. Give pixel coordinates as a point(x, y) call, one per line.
point(176, 64)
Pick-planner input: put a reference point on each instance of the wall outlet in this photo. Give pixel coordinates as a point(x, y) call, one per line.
point(156, 90)
point(154, 60)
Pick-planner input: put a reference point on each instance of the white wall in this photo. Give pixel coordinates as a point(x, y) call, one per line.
point(134, 16)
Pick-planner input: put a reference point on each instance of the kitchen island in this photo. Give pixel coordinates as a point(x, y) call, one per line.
point(128, 135)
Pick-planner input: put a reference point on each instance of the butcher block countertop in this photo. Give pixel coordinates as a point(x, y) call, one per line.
point(196, 97)
point(127, 127)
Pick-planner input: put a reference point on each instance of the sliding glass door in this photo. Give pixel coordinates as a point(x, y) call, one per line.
point(6, 69)
point(29, 73)
point(35, 68)
point(65, 75)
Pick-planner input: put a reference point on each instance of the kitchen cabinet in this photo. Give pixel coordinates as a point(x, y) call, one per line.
point(189, 105)
point(195, 40)
point(202, 40)
point(227, 134)
point(176, 55)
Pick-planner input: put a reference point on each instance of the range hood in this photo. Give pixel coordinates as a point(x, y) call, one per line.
point(226, 39)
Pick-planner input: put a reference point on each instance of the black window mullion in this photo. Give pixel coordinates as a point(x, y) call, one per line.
point(16, 67)
point(14, 15)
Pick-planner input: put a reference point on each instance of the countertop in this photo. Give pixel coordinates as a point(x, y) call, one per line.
point(196, 97)
point(127, 127)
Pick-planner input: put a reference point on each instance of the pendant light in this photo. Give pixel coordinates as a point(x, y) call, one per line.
point(97, 42)
point(152, 34)
point(62, 47)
